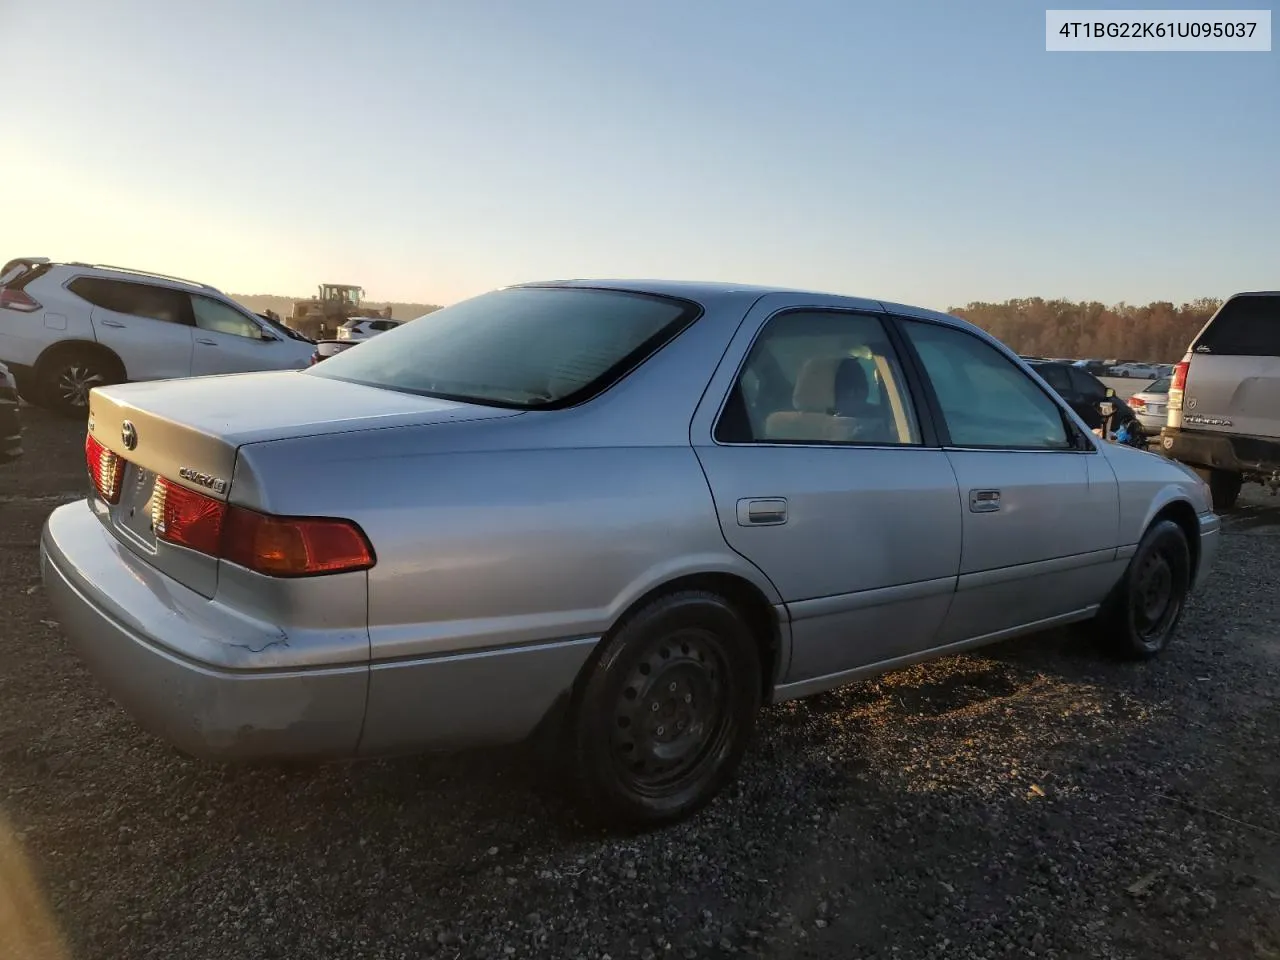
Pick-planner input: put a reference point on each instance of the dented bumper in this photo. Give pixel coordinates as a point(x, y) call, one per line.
point(167, 655)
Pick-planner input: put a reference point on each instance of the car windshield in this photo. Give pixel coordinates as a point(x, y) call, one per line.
point(519, 347)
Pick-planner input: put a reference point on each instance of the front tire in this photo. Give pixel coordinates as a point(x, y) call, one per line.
point(664, 714)
point(1142, 615)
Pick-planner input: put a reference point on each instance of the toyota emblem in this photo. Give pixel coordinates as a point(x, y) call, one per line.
point(128, 435)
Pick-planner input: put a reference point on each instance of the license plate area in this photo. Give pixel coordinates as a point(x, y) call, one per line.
point(132, 515)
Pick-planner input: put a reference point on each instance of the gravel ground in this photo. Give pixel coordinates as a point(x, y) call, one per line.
point(1034, 799)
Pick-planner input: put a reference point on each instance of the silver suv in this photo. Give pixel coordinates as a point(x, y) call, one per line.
point(66, 328)
point(1224, 402)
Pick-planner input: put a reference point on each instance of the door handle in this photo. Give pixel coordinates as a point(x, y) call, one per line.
point(984, 501)
point(207, 343)
point(111, 323)
point(762, 512)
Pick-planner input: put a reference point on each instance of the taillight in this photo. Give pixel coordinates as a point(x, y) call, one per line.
point(1137, 403)
point(187, 518)
point(1177, 386)
point(105, 468)
point(275, 546)
point(18, 300)
point(294, 546)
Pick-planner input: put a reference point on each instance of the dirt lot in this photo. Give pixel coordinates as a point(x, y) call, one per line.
point(1035, 799)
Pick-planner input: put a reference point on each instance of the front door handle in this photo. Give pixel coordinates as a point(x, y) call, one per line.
point(207, 343)
point(984, 501)
point(111, 323)
point(762, 512)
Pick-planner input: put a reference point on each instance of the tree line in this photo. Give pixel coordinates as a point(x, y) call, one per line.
point(1157, 332)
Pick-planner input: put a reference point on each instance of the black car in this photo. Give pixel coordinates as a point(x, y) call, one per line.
point(1083, 392)
point(10, 421)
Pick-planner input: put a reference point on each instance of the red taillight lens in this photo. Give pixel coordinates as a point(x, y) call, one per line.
point(187, 518)
point(275, 546)
point(106, 470)
point(294, 546)
point(18, 300)
point(1136, 403)
point(1180, 376)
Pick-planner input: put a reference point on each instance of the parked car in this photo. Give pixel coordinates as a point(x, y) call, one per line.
point(10, 418)
point(324, 349)
point(1150, 405)
point(362, 328)
point(68, 327)
point(619, 514)
point(1144, 371)
point(1224, 402)
point(1091, 399)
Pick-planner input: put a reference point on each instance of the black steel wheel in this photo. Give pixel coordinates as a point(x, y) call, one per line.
point(665, 711)
point(1142, 615)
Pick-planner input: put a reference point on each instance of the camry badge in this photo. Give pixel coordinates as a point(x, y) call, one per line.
point(216, 484)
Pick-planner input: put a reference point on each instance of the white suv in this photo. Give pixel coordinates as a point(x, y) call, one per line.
point(68, 327)
point(362, 328)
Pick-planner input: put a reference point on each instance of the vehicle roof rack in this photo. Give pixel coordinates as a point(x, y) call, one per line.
point(151, 273)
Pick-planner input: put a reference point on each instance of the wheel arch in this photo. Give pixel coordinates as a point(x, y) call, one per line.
point(1184, 515)
point(55, 350)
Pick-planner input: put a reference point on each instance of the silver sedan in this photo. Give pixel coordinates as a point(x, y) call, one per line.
point(624, 513)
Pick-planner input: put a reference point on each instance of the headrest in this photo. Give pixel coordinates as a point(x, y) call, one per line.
point(852, 385)
point(815, 390)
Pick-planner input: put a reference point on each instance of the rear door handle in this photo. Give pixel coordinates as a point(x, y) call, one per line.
point(111, 323)
point(762, 512)
point(207, 343)
point(984, 501)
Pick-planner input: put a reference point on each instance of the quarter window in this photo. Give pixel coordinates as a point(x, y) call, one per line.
point(219, 318)
point(986, 399)
point(134, 299)
point(818, 377)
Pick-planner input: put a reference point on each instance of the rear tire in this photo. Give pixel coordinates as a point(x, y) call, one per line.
point(1141, 616)
point(1224, 486)
point(664, 714)
point(64, 379)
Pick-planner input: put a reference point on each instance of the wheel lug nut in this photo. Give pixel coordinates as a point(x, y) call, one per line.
point(680, 725)
point(653, 707)
point(661, 731)
point(672, 686)
point(688, 698)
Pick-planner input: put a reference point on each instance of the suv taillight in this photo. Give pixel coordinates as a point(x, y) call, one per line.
point(106, 470)
point(275, 546)
point(18, 300)
point(1178, 385)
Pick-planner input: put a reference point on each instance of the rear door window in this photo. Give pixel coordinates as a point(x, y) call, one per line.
point(1246, 326)
point(135, 299)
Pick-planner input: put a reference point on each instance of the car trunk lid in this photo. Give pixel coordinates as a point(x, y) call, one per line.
point(186, 433)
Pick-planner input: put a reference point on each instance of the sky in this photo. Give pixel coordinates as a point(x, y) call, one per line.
point(926, 151)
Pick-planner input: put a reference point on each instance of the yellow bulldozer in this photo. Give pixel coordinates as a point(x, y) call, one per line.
point(320, 317)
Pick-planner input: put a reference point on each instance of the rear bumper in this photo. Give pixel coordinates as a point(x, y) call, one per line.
point(1235, 453)
point(151, 643)
point(134, 627)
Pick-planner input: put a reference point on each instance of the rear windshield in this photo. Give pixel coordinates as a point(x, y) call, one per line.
point(523, 347)
point(1246, 326)
point(1159, 386)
